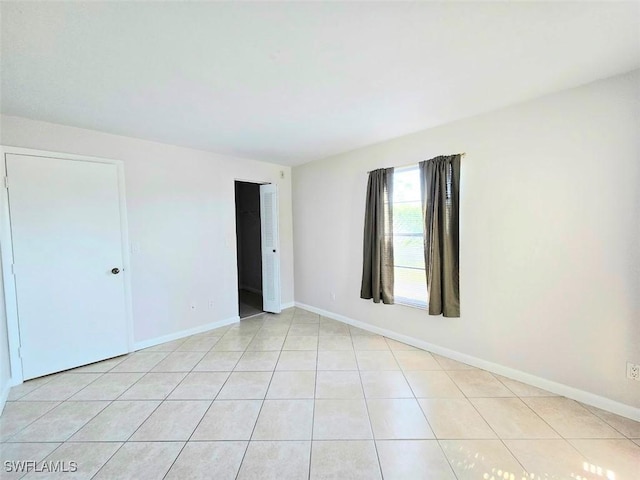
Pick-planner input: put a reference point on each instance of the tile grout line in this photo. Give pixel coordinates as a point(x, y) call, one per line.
point(560, 437)
point(154, 410)
point(210, 404)
point(498, 437)
point(608, 423)
point(128, 439)
point(86, 423)
point(435, 437)
point(53, 376)
point(8, 440)
point(313, 411)
point(109, 402)
point(415, 398)
point(203, 415)
point(230, 373)
point(468, 399)
point(261, 406)
point(366, 405)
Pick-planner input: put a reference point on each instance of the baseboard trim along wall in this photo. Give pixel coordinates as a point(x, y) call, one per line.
point(551, 386)
point(284, 306)
point(152, 342)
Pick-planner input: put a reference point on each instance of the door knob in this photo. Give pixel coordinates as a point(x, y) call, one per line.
point(115, 271)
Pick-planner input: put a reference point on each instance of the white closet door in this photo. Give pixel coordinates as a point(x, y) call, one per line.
point(270, 248)
point(67, 253)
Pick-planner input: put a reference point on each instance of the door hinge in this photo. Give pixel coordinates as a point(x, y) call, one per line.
point(6, 182)
point(20, 352)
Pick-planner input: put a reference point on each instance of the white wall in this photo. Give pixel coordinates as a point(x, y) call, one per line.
point(181, 213)
point(550, 222)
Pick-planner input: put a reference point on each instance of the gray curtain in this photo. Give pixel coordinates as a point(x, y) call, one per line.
point(377, 265)
point(440, 182)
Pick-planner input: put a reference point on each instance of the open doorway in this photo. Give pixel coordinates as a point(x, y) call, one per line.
point(249, 248)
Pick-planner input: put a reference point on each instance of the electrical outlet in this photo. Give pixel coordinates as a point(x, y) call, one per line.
point(333, 295)
point(210, 304)
point(633, 371)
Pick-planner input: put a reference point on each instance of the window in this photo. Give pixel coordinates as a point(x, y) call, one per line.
point(410, 286)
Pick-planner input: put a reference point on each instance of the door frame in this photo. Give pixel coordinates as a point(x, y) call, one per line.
point(6, 246)
point(235, 246)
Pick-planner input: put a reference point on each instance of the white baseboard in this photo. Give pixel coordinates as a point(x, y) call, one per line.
point(549, 385)
point(5, 394)
point(284, 306)
point(184, 333)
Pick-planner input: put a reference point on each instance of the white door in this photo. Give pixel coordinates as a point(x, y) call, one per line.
point(67, 254)
point(270, 248)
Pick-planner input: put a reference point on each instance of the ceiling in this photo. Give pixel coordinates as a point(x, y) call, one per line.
point(294, 82)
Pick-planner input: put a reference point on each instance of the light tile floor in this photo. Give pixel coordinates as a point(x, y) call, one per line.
point(300, 396)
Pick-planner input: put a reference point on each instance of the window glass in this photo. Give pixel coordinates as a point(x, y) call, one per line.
point(410, 285)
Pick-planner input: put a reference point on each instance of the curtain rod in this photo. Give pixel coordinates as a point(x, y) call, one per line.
point(403, 166)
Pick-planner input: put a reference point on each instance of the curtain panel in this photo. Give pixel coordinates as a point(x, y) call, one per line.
point(377, 265)
point(440, 186)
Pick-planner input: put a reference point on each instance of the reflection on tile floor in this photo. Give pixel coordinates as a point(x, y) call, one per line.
point(300, 396)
